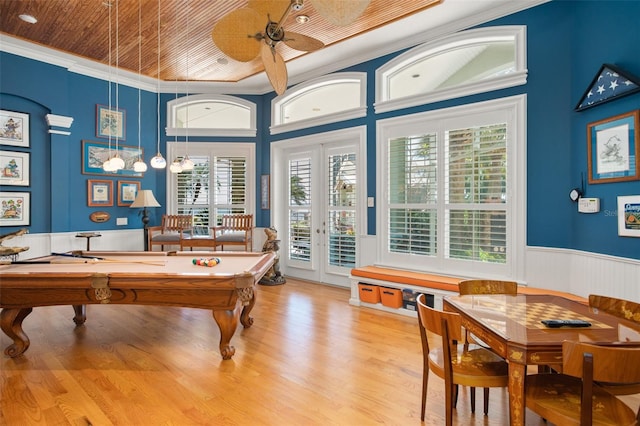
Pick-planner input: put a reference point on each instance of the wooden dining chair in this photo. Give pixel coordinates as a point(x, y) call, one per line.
point(457, 364)
point(479, 286)
point(575, 396)
point(619, 307)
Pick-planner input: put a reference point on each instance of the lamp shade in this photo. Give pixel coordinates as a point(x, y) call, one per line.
point(145, 198)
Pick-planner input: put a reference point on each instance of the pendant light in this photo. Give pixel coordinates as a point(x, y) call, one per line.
point(139, 166)
point(116, 162)
point(158, 162)
point(187, 163)
point(106, 165)
point(176, 166)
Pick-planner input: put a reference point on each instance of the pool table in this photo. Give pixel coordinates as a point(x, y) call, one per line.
point(140, 278)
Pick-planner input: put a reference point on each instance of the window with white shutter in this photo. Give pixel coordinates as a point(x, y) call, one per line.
point(300, 209)
point(220, 183)
point(452, 199)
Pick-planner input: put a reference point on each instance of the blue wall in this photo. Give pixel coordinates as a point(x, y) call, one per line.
point(568, 41)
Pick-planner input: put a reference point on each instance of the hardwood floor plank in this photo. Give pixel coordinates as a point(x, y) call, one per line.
point(309, 359)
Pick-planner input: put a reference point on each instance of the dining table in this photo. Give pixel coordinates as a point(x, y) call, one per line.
point(511, 325)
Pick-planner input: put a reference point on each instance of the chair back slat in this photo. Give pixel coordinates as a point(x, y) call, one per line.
point(619, 307)
point(431, 320)
point(176, 222)
point(611, 363)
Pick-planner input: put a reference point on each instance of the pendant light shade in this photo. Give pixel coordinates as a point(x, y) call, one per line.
point(187, 163)
point(175, 167)
point(158, 162)
point(108, 167)
point(117, 163)
point(140, 166)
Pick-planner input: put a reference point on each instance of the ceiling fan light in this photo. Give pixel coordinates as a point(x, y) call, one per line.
point(158, 162)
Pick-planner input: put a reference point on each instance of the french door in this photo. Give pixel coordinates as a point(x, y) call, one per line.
point(321, 211)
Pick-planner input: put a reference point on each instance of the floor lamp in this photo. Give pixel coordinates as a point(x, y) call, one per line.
point(144, 200)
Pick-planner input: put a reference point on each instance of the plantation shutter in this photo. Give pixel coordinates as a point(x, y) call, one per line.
point(193, 194)
point(230, 186)
point(412, 195)
point(342, 210)
point(475, 193)
point(300, 209)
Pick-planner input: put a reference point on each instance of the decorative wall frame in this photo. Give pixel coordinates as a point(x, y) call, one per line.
point(127, 191)
point(629, 216)
point(265, 192)
point(110, 122)
point(99, 193)
point(94, 154)
point(608, 84)
point(14, 168)
point(15, 208)
point(613, 148)
point(14, 128)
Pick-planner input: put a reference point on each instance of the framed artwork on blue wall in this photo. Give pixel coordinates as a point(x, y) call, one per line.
point(94, 154)
point(14, 168)
point(99, 193)
point(613, 149)
point(110, 122)
point(15, 208)
point(629, 216)
point(14, 128)
point(127, 191)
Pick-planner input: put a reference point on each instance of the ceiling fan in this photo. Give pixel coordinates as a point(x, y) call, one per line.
point(243, 36)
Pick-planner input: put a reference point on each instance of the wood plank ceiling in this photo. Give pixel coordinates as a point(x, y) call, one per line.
point(81, 27)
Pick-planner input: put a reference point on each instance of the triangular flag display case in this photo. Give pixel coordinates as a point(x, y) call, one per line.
point(608, 84)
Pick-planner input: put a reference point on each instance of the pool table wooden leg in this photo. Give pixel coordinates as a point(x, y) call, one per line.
point(11, 324)
point(245, 319)
point(80, 314)
point(227, 321)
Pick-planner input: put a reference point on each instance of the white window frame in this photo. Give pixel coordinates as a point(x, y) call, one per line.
point(214, 149)
point(278, 103)
point(515, 33)
point(249, 129)
point(513, 109)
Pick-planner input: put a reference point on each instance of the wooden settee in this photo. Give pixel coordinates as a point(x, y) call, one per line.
point(235, 229)
point(173, 229)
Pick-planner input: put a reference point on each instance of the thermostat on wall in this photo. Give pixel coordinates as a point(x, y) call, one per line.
point(589, 205)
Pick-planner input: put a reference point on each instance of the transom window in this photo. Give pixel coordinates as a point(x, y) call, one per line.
point(462, 64)
point(328, 99)
point(211, 115)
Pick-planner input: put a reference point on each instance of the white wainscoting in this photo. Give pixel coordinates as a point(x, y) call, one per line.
point(45, 244)
point(583, 273)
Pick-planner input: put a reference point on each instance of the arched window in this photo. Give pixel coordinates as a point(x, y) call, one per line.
point(462, 64)
point(328, 99)
point(211, 115)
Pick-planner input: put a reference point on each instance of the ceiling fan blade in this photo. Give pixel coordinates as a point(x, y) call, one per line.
point(340, 12)
point(233, 34)
point(302, 42)
point(274, 9)
point(275, 68)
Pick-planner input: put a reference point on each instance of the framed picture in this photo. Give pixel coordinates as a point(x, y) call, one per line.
point(14, 168)
point(613, 149)
point(110, 122)
point(15, 208)
point(14, 128)
point(629, 216)
point(127, 191)
point(265, 192)
point(99, 193)
point(94, 154)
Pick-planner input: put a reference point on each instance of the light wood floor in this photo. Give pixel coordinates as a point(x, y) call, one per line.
point(309, 359)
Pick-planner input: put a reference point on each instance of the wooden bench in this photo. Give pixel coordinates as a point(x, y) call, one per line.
point(235, 229)
point(172, 230)
point(436, 285)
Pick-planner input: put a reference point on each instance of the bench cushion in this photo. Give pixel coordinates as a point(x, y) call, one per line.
point(231, 237)
point(173, 237)
point(441, 282)
point(408, 277)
